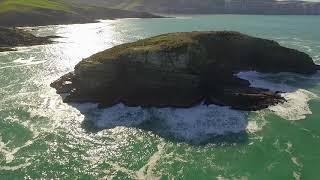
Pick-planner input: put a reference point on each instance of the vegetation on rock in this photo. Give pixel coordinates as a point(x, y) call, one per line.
point(28, 5)
point(47, 12)
point(275, 7)
point(181, 70)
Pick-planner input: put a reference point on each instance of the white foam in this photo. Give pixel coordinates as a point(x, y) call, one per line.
point(296, 107)
point(24, 48)
point(256, 122)
point(14, 168)
point(5, 67)
point(120, 115)
point(183, 17)
point(253, 127)
point(289, 147)
point(29, 61)
point(9, 153)
point(196, 123)
point(221, 178)
point(296, 162)
point(23, 61)
point(202, 121)
point(146, 172)
point(5, 53)
point(259, 80)
point(296, 175)
point(86, 107)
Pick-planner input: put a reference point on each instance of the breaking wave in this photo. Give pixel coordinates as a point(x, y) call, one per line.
point(296, 106)
point(201, 123)
point(198, 123)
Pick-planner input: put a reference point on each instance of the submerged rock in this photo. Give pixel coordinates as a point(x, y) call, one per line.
point(182, 70)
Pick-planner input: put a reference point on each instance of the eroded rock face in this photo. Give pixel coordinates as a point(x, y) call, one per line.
point(182, 70)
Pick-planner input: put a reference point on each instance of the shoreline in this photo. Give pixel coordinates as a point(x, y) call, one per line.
point(14, 37)
point(7, 49)
point(48, 17)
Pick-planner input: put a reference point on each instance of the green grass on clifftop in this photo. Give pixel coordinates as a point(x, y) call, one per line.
point(29, 5)
point(15, 13)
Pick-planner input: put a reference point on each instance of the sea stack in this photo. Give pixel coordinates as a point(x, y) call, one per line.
point(182, 70)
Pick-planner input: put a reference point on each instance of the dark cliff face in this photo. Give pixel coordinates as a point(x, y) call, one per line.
point(181, 70)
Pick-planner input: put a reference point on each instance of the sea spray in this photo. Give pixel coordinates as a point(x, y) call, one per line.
point(296, 106)
point(198, 123)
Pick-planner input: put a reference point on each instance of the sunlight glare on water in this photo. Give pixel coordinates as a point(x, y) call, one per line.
point(42, 137)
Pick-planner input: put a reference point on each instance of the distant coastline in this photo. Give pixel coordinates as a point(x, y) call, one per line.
point(20, 19)
point(17, 14)
point(252, 7)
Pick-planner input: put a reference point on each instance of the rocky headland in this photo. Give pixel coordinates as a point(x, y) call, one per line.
point(13, 37)
point(182, 70)
point(15, 13)
point(261, 7)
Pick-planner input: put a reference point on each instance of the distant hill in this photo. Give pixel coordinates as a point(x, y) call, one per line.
point(29, 5)
point(290, 7)
point(46, 12)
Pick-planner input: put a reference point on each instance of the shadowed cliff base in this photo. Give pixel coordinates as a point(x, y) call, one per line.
point(204, 124)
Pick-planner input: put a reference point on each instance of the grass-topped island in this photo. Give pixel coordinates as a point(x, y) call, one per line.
point(183, 70)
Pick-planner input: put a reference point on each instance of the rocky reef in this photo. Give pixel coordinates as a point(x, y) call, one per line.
point(182, 70)
point(12, 37)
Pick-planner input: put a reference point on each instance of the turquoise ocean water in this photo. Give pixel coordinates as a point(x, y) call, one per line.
point(43, 138)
